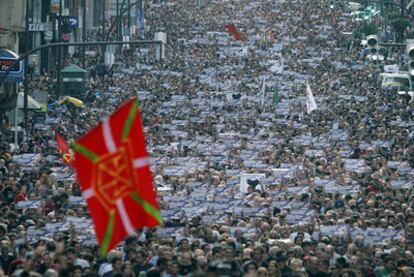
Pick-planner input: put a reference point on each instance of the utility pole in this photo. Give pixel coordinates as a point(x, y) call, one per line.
point(26, 73)
point(117, 20)
point(117, 16)
point(129, 16)
point(59, 63)
point(83, 31)
point(103, 30)
point(141, 19)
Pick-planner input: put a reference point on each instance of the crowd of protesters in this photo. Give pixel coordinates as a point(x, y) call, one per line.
point(360, 139)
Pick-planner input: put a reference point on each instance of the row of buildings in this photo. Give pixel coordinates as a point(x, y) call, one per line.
point(42, 19)
point(42, 25)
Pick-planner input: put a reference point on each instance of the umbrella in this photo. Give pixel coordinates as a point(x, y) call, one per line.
point(74, 101)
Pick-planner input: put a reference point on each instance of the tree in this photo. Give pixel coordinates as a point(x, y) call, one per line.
point(369, 29)
point(399, 25)
point(365, 29)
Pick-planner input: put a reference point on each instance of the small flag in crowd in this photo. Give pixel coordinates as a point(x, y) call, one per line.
point(64, 150)
point(113, 170)
point(310, 100)
point(276, 97)
point(233, 30)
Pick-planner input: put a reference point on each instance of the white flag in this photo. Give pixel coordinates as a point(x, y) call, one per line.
point(263, 93)
point(310, 101)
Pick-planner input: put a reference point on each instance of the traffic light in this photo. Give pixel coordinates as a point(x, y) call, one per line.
point(409, 49)
point(372, 42)
point(411, 67)
point(65, 26)
point(383, 51)
point(408, 95)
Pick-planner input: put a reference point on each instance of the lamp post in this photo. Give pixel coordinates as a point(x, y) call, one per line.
point(129, 14)
point(103, 30)
point(59, 61)
point(26, 73)
point(83, 30)
point(117, 21)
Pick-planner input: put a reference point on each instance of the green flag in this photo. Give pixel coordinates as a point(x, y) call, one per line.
point(276, 98)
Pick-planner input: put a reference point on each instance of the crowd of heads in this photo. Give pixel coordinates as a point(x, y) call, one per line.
point(348, 165)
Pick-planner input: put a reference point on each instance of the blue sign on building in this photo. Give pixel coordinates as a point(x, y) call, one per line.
point(7, 59)
point(72, 20)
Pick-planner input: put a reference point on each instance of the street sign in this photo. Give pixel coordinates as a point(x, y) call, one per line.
point(66, 37)
point(54, 6)
point(48, 35)
point(5, 64)
point(36, 27)
point(40, 27)
point(48, 26)
point(7, 58)
point(73, 21)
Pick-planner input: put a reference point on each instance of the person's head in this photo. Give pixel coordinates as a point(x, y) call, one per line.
point(258, 252)
point(298, 240)
point(51, 246)
point(185, 259)
point(312, 264)
point(127, 269)
point(273, 268)
point(162, 264)
point(323, 265)
point(116, 264)
point(153, 273)
point(341, 263)
point(141, 257)
point(262, 272)
point(70, 255)
point(77, 271)
point(328, 251)
point(201, 261)
point(388, 263)
point(173, 267)
point(216, 251)
point(281, 258)
point(47, 259)
point(296, 265)
point(130, 242)
point(4, 250)
point(23, 250)
point(50, 273)
point(185, 245)
point(250, 267)
point(131, 254)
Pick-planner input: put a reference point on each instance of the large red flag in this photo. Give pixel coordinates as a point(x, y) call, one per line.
point(233, 30)
point(64, 149)
point(114, 173)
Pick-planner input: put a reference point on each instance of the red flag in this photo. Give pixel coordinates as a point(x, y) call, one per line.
point(114, 173)
point(233, 30)
point(61, 143)
point(64, 149)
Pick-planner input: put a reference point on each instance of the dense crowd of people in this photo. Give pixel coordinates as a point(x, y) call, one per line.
point(248, 185)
